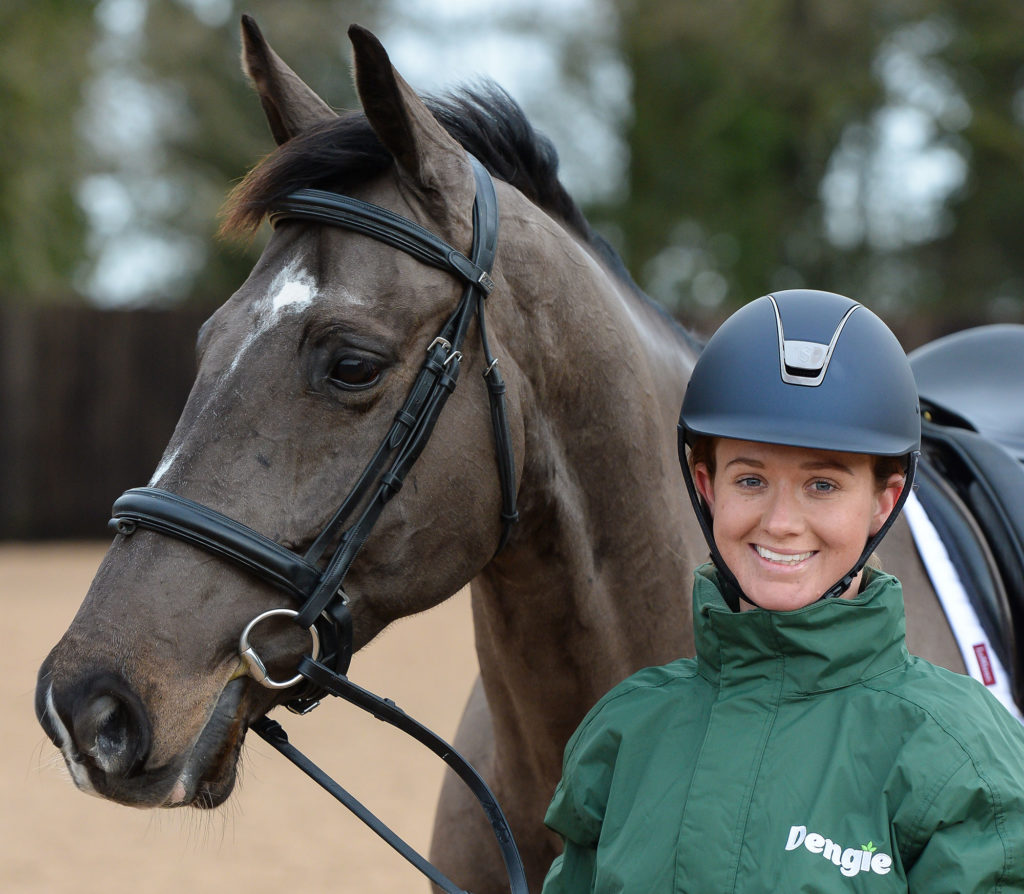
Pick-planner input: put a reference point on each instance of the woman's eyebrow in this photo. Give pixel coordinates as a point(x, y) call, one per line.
point(821, 465)
point(812, 465)
point(745, 461)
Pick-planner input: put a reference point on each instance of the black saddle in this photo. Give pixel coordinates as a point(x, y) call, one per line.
point(974, 380)
point(971, 478)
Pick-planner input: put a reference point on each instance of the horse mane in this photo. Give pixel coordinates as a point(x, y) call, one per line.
point(344, 151)
point(485, 120)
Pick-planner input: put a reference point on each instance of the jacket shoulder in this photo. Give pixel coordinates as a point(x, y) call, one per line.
point(624, 722)
point(953, 722)
point(961, 756)
point(628, 704)
point(955, 704)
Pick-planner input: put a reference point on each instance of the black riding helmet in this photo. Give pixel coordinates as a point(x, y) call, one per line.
point(803, 368)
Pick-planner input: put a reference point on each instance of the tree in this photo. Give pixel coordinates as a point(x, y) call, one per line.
point(764, 153)
point(205, 130)
point(43, 67)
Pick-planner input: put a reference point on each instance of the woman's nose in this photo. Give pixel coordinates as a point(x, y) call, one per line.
point(782, 514)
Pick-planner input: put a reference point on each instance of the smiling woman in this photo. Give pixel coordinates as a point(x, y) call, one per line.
point(706, 774)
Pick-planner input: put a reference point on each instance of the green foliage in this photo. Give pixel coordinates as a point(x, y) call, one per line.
point(44, 48)
point(217, 129)
point(747, 114)
point(762, 144)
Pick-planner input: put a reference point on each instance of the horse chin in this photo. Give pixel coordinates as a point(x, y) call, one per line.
point(208, 774)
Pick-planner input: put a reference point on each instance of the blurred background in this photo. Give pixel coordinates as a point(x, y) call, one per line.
point(870, 147)
point(725, 147)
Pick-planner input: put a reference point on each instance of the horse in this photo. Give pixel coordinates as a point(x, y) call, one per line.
point(299, 375)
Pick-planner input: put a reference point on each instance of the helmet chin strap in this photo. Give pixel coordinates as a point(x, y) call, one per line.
point(733, 592)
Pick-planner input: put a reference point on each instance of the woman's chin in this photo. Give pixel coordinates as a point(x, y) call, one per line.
point(778, 597)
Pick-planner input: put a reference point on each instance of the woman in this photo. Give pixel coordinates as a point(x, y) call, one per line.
point(802, 749)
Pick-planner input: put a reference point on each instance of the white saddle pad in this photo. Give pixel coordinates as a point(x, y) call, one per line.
point(980, 658)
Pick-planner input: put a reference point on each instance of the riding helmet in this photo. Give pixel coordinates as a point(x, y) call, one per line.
point(806, 369)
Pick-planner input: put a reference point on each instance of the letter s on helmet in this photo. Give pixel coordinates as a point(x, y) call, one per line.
point(804, 368)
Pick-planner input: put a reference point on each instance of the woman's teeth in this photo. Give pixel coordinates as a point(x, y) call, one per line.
point(782, 558)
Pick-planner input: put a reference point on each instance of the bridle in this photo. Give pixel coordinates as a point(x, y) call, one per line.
point(318, 584)
point(320, 590)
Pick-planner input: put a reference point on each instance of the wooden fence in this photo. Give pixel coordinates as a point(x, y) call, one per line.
point(88, 399)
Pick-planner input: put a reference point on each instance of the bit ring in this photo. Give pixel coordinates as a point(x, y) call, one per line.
point(254, 664)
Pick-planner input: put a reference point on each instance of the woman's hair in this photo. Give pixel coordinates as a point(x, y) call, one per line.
point(703, 451)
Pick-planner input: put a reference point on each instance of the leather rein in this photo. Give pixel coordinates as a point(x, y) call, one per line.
point(318, 585)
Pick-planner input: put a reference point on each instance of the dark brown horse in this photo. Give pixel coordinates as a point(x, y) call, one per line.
point(300, 373)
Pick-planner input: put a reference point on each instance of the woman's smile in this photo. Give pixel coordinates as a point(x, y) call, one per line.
point(782, 558)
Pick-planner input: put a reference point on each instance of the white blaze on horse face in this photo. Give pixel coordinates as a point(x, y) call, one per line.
point(292, 291)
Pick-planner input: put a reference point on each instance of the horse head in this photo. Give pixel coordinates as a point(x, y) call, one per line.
point(300, 374)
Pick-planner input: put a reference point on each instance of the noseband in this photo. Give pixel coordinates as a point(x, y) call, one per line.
point(318, 586)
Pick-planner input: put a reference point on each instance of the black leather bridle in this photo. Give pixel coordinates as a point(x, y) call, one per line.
point(318, 585)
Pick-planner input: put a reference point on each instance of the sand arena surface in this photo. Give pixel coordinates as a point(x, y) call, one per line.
point(279, 831)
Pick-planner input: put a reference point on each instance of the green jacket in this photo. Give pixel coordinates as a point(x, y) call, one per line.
point(799, 751)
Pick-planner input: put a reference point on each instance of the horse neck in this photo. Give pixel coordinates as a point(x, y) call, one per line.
point(596, 582)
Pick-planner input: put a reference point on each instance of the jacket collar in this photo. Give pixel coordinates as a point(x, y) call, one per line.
point(826, 645)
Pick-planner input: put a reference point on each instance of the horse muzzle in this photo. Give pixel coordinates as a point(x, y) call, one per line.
point(104, 733)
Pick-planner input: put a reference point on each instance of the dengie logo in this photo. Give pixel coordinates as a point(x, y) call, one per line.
point(866, 858)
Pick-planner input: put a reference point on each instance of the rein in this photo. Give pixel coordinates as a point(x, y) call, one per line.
point(319, 587)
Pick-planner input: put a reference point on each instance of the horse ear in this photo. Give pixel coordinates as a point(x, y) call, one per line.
point(289, 104)
point(423, 149)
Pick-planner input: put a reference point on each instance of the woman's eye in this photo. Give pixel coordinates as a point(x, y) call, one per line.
point(749, 482)
point(823, 487)
point(354, 373)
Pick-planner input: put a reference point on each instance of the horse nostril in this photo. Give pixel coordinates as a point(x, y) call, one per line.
point(102, 729)
point(109, 726)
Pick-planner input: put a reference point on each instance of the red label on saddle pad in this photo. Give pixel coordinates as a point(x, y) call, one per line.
point(984, 665)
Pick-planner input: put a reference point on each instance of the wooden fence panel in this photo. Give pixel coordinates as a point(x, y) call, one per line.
point(88, 400)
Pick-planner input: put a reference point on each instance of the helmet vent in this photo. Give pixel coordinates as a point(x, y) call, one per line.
point(806, 362)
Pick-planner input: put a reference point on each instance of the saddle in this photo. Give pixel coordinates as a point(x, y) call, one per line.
point(971, 475)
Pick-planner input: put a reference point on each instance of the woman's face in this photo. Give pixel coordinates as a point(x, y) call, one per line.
point(790, 521)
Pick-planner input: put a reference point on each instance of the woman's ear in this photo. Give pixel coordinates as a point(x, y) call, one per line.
point(705, 485)
point(886, 499)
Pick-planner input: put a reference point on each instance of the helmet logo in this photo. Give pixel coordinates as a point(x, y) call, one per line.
point(805, 362)
point(806, 355)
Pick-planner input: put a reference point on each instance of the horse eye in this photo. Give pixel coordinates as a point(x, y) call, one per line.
point(354, 373)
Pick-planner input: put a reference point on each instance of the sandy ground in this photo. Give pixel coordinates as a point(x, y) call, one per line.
point(279, 831)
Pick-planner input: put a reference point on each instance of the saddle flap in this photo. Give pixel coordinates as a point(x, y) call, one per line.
point(968, 550)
